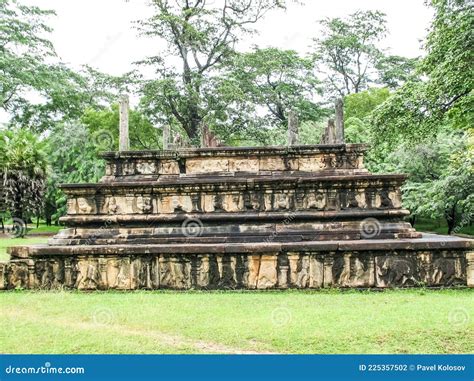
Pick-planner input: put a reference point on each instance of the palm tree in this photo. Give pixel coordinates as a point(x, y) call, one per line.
point(23, 170)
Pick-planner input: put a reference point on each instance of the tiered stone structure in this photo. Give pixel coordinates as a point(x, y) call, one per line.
point(254, 218)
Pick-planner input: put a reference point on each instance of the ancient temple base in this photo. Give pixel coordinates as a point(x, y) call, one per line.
point(239, 218)
point(431, 261)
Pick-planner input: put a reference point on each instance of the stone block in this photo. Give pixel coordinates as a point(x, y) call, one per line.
point(267, 273)
point(250, 164)
point(168, 167)
point(253, 270)
point(311, 164)
point(3, 275)
point(205, 165)
point(353, 270)
point(316, 271)
point(470, 268)
point(395, 270)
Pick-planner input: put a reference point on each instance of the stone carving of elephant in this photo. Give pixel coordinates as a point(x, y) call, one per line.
point(396, 271)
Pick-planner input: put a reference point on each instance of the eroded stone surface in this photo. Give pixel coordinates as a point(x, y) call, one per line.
point(404, 268)
point(239, 218)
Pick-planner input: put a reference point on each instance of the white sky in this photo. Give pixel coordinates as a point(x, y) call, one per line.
point(100, 32)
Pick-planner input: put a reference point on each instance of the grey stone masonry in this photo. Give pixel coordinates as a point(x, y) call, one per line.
point(241, 217)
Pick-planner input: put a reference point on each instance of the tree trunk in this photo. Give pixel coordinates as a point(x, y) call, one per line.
point(450, 215)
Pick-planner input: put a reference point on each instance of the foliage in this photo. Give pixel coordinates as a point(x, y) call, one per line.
point(311, 132)
point(260, 87)
point(441, 177)
point(347, 50)
point(358, 108)
point(23, 169)
point(200, 36)
point(23, 52)
point(142, 134)
point(427, 123)
point(394, 71)
point(73, 153)
point(37, 90)
point(442, 94)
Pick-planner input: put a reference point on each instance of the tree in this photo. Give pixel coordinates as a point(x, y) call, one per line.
point(73, 152)
point(441, 177)
point(394, 71)
point(260, 87)
point(358, 108)
point(347, 50)
point(23, 53)
point(200, 36)
point(442, 93)
point(29, 69)
point(23, 169)
point(104, 124)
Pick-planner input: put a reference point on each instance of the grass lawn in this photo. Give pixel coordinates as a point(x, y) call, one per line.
point(7, 242)
point(42, 228)
point(32, 229)
point(440, 227)
point(394, 321)
point(327, 321)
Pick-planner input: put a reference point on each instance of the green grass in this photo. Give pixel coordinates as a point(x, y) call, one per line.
point(32, 229)
point(396, 321)
point(7, 242)
point(42, 227)
point(440, 227)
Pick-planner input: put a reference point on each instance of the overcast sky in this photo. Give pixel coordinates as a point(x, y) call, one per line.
point(100, 32)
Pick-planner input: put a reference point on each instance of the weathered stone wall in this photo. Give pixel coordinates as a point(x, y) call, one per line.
point(127, 166)
point(362, 269)
point(243, 218)
point(237, 195)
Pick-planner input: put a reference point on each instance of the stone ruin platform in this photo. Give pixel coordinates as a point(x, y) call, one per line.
point(239, 218)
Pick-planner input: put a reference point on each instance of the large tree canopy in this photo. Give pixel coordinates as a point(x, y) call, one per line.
point(200, 35)
point(349, 55)
point(23, 53)
point(442, 93)
point(260, 88)
point(347, 50)
point(36, 89)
